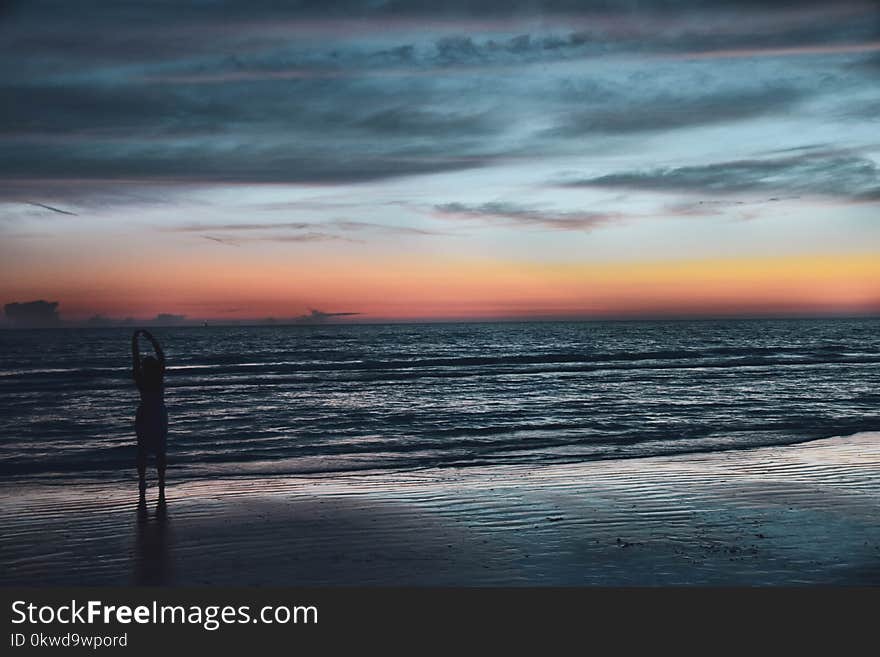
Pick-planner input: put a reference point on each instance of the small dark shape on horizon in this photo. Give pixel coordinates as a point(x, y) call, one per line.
point(33, 314)
point(99, 320)
point(168, 318)
point(319, 317)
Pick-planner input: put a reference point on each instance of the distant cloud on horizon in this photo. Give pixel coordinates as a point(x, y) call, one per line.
point(320, 317)
point(33, 314)
point(169, 318)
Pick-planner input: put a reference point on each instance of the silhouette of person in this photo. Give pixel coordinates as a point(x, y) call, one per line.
point(151, 421)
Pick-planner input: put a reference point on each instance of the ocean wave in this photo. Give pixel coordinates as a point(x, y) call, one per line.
point(337, 398)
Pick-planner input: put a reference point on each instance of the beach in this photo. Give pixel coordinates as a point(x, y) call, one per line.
point(493, 295)
point(803, 514)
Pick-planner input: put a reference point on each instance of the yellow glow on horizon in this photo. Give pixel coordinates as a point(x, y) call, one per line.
point(440, 287)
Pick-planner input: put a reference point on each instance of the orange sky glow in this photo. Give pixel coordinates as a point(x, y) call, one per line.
point(448, 289)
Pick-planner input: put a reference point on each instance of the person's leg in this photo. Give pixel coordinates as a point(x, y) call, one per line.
point(160, 454)
point(160, 467)
point(142, 469)
point(141, 452)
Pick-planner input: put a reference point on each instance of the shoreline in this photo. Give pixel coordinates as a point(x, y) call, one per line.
point(188, 473)
point(803, 514)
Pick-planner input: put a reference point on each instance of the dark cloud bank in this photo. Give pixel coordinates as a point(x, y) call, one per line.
point(46, 314)
point(32, 314)
point(348, 92)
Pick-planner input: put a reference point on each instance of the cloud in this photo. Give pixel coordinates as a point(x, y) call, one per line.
point(345, 224)
point(715, 207)
point(516, 215)
point(178, 161)
point(870, 64)
point(238, 234)
point(320, 317)
point(463, 55)
point(26, 236)
point(124, 130)
point(311, 236)
point(405, 120)
point(100, 321)
point(302, 225)
point(836, 174)
point(130, 96)
point(168, 318)
point(868, 110)
point(668, 111)
point(49, 207)
point(373, 90)
point(221, 240)
point(307, 237)
point(33, 314)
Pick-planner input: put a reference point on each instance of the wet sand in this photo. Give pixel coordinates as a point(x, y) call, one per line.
point(794, 515)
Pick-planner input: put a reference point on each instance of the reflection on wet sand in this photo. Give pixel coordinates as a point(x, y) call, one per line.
point(794, 515)
point(151, 561)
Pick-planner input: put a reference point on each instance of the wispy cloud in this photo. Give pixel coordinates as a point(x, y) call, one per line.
point(517, 215)
point(627, 114)
point(793, 51)
point(705, 208)
point(834, 174)
point(53, 209)
point(236, 234)
point(220, 240)
point(299, 238)
point(339, 224)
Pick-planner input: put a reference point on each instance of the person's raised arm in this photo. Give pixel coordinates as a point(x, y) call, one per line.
point(135, 355)
point(160, 355)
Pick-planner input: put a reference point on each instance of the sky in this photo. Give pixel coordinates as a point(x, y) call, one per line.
point(410, 160)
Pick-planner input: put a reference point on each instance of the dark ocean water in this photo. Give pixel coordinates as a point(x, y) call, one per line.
point(303, 399)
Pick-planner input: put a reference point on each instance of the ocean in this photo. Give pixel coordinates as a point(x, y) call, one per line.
point(332, 398)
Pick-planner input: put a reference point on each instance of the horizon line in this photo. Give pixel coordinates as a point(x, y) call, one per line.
point(220, 323)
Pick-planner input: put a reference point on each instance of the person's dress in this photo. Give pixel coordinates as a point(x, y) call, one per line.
point(151, 421)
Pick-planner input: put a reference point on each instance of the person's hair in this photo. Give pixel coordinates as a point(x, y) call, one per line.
point(152, 372)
